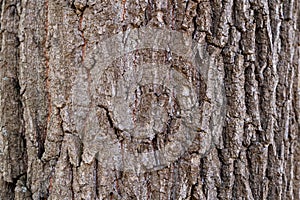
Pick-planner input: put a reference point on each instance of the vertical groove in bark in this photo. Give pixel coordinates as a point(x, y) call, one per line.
point(12, 141)
point(44, 47)
point(47, 75)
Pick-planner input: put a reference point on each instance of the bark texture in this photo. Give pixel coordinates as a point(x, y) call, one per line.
point(255, 48)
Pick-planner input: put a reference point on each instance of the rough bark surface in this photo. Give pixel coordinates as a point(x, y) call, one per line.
point(255, 48)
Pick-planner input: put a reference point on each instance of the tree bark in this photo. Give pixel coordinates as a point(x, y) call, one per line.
point(224, 125)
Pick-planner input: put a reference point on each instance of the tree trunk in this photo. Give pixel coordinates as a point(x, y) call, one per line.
point(150, 99)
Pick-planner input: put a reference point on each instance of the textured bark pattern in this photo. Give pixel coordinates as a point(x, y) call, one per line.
point(44, 44)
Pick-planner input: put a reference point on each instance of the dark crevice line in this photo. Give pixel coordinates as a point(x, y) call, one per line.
point(107, 115)
point(48, 85)
point(97, 179)
point(69, 164)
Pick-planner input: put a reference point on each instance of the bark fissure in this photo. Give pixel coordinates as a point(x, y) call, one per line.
point(12, 142)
